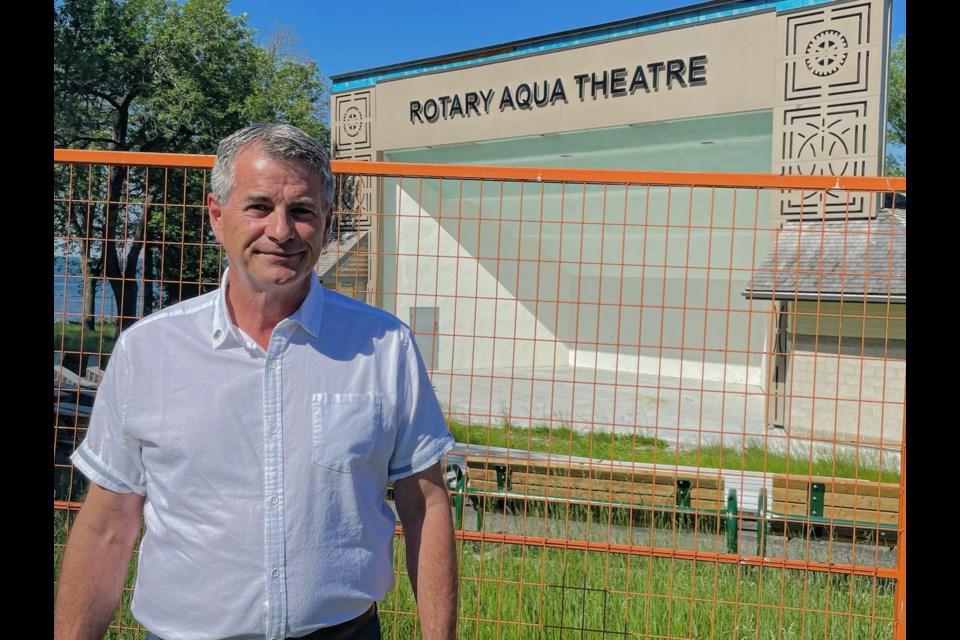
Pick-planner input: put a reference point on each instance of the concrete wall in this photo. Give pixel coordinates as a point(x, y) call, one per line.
point(484, 322)
point(648, 280)
point(847, 382)
point(530, 275)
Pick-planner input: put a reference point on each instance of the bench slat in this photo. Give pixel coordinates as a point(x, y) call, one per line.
point(597, 472)
point(558, 484)
point(624, 499)
point(861, 516)
point(862, 503)
point(832, 485)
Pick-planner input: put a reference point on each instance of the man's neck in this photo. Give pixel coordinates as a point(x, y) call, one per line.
point(258, 312)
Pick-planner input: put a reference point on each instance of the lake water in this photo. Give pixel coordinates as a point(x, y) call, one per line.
point(68, 291)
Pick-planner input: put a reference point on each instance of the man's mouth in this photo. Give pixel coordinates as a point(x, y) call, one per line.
point(280, 254)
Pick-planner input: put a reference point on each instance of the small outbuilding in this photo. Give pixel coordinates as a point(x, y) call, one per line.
point(838, 291)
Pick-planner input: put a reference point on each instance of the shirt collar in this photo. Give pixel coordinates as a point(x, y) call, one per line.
point(224, 332)
point(311, 310)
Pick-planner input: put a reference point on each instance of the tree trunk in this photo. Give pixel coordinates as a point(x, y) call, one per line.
point(91, 283)
point(149, 297)
point(124, 288)
point(148, 273)
point(90, 270)
point(131, 284)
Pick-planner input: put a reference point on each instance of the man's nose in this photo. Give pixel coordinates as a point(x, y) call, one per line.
point(280, 227)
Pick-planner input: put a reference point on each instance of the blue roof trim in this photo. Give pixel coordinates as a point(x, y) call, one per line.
point(360, 79)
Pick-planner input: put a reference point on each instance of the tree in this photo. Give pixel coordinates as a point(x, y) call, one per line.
point(897, 108)
point(163, 76)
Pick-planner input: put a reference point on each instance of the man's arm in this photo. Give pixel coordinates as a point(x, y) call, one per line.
point(95, 563)
point(424, 510)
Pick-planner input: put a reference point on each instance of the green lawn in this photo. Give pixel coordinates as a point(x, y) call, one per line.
point(74, 337)
point(630, 448)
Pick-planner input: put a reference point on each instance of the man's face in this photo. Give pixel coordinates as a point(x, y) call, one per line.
point(273, 225)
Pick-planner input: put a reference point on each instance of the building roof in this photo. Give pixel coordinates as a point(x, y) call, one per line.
point(849, 260)
point(669, 19)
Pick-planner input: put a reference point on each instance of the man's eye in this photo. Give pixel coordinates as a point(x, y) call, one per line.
point(302, 213)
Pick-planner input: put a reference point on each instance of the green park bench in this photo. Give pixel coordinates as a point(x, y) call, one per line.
point(491, 483)
point(831, 508)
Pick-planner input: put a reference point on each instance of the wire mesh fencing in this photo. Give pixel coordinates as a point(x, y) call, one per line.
point(678, 399)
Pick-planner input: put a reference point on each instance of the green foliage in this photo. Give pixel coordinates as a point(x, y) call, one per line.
point(897, 108)
point(897, 92)
point(162, 76)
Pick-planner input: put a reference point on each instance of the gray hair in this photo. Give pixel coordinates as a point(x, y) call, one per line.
point(278, 141)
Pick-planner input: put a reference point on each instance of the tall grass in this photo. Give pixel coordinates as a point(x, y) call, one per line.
point(123, 626)
point(535, 593)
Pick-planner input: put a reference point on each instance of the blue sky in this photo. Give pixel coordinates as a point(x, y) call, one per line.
point(360, 34)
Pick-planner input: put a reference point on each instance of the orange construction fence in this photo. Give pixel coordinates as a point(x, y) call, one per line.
point(679, 398)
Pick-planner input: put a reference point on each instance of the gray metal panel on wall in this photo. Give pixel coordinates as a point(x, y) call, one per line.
point(425, 323)
point(829, 109)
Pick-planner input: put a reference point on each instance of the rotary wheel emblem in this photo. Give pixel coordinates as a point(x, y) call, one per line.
point(826, 53)
point(351, 122)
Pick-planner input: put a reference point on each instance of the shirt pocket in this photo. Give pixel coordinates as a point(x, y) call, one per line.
point(345, 429)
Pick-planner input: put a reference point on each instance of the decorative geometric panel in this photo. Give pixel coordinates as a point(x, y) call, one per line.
point(353, 140)
point(367, 187)
point(824, 136)
point(363, 188)
point(352, 121)
point(828, 112)
point(824, 139)
point(826, 52)
point(828, 204)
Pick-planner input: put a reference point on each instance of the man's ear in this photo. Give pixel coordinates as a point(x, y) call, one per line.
point(216, 216)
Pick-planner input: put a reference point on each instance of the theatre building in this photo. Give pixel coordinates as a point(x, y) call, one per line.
point(620, 282)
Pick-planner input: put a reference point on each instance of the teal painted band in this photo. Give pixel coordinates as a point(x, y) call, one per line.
point(363, 79)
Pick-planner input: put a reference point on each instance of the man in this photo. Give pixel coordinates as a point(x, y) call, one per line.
point(254, 430)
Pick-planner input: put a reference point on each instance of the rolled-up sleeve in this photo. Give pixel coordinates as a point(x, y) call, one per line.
point(107, 456)
point(422, 433)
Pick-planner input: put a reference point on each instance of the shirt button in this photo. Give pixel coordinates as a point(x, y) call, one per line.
point(274, 499)
point(276, 573)
point(217, 334)
point(273, 364)
point(273, 429)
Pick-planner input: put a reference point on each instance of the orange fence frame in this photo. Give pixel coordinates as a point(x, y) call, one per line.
point(524, 175)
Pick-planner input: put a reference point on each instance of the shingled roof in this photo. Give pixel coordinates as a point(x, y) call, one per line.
point(850, 260)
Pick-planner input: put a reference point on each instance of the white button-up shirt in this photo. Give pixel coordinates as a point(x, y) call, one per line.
point(264, 472)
